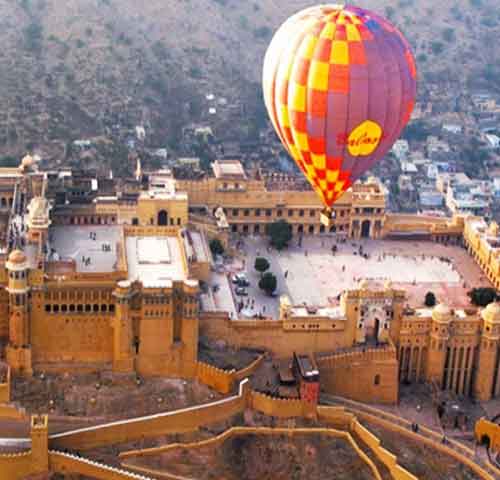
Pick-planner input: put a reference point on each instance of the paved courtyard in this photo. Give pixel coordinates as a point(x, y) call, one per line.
point(313, 274)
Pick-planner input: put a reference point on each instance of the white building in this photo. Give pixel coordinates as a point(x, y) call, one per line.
point(452, 128)
point(401, 149)
point(492, 140)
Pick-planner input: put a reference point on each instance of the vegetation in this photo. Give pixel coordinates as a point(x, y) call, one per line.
point(416, 131)
point(9, 161)
point(430, 299)
point(261, 264)
point(33, 35)
point(280, 233)
point(216, 247)
point(268, 283)
point(483, 296)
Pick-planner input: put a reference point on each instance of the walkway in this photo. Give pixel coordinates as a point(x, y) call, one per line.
point(377, 415)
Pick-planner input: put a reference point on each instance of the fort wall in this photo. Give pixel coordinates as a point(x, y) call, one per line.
point(269, 335)
point(4, 384)
point(223, 380)
point(375, 371)
point(242, 431)
point(179, 421)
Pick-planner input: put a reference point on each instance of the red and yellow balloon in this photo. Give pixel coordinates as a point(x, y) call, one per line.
point(339, 85)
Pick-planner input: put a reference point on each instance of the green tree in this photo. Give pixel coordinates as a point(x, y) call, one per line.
point(280, 233)
point(268, 283)
point(261, 264)
point(216, 247)
point(430, 299)
point(483, 296)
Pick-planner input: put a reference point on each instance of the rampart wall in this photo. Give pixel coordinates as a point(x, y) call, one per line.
point(70, 464)
point(375, 371)
point(223, 380)
point(4, 384)
point(268, 335)
point(179, 421)
point(16, 466)
point(242, 431)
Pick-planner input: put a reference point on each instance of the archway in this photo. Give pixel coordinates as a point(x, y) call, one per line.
point(365, 229)
point(162, 218)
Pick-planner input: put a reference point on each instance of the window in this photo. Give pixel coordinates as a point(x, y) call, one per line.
point(279, 213)
point(312, 213)
point(290, 213)
point(48, 308)
point(257, 212)
point(342, 213)
point(135, 221)
point(246, 213)
point(377, 380)
point(64, 308)
point(56, 308)
point(178, 221)
point(72, 308)
point(268, 213)
point(301, 213)
point(235, 212)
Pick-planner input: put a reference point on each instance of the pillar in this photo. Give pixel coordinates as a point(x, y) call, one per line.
point(441, 319)
point(18, 350)
point(39, 444)
point(123, 355)
point(488, 350)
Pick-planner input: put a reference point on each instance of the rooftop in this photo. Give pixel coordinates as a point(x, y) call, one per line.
point(228, 169)
point(155, 261)
point(93, 248)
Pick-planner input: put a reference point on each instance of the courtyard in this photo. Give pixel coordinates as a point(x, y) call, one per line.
point(310, 272)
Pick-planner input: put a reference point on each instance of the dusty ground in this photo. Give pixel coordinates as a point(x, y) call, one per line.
point(98, 398)
point(419, 459)
point(261, 457)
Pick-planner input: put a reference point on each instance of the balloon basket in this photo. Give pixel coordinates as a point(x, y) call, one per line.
point(326, 218)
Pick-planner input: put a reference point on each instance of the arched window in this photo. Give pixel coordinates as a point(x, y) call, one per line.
point(162, 218)
point(377, 380)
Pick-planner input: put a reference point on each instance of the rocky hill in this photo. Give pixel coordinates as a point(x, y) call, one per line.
point(69, 69)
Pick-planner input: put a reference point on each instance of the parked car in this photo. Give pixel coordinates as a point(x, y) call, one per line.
point(241, 291)
point(241, 280)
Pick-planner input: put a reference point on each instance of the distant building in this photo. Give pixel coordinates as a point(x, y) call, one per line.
point(453, 128)
point(496, 187)
point(401, 149)
point(492, 140)
point(430, 198)
point(140, 133)
point(193, 162)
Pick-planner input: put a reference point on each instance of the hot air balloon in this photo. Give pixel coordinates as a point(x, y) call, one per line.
point(339, 85)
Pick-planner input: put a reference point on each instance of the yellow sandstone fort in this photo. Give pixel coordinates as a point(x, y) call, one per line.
point(100, 273)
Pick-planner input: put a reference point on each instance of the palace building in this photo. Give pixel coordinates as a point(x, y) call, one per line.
point(101, 273)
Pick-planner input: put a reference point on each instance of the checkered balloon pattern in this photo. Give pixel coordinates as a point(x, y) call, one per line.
point(339, 85)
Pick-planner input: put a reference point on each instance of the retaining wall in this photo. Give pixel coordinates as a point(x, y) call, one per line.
point(178, 421)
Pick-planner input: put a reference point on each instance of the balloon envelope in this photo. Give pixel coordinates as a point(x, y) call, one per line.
point(339, 85)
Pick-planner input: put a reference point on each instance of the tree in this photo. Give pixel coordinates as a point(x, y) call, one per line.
point(280, 233)
point(261, 264)
point(216, 247)
point(483, 296)
point(430, 299)
point(268, 283)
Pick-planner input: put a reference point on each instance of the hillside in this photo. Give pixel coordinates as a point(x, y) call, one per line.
point(69, 69)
